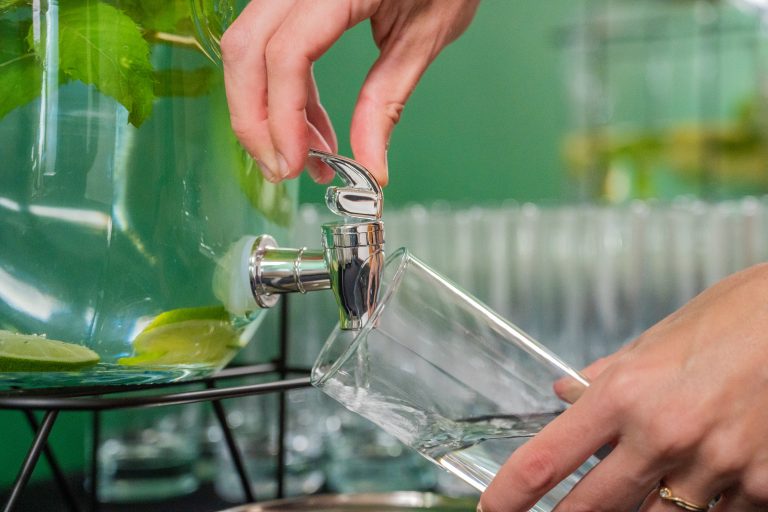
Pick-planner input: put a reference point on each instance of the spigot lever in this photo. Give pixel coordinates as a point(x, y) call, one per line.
point(361, 198)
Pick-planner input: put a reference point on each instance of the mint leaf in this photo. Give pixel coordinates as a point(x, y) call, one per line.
point(159, 16)
point(184, 82)
point(102, 46)
point(20, 73)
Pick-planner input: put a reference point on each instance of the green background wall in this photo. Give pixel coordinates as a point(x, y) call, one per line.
point(483, 126)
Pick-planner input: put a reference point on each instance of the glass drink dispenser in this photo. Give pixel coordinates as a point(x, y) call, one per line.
point(121, 186)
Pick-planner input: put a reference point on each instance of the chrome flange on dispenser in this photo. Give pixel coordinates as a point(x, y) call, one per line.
point(256, 271)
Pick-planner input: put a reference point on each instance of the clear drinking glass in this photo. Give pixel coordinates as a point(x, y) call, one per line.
point(255, 425)
point(149, 454)
point(446, 376)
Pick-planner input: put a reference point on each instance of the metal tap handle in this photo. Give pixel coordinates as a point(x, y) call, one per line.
point(361, 198)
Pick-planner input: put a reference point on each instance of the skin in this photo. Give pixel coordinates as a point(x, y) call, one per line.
point(275, 106)
point(686, 403)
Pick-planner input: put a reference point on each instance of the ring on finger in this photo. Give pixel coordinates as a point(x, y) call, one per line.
point(666, 495)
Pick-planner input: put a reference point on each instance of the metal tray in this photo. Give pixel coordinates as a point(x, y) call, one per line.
point(371, 502)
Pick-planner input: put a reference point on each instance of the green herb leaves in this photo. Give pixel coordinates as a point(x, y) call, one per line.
point(101, 45)
point(97, 44)
point(159, 16)
point(20, 74)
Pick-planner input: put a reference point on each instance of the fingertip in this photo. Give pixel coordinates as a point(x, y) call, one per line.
point(369, 137)
point(379, 169)
point(323, 179)
point(319, 172)
point(373, 157)
point(382, 177)
point(568, 389)
point(265, 170)
point(290, 166)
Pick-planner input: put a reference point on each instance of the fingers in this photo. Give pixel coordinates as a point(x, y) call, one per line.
point(243, 47)
point(318, 117)
point(319, 172)
point(305, 34)
point(322, 135)
point(549, 457)
point(274, 105)
point(387, 87)
point(619, 483)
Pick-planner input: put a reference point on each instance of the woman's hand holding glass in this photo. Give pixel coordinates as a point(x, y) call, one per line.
point(685, 404)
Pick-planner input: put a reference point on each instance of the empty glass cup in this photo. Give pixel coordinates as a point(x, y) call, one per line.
point(149, 454)
point(445, 375)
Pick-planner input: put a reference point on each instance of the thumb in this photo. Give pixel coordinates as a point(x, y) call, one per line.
point(381, 101)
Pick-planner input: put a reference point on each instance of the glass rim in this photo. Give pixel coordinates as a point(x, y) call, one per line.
point(528, 344)
point(401, 257)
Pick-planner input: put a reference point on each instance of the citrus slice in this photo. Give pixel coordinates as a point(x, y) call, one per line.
point(189, 336)
point(33, 353)
point(183, 314)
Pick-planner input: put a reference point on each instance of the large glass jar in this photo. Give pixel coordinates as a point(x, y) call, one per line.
point(121, 186)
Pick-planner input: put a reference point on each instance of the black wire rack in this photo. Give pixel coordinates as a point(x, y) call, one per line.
point(97, 399)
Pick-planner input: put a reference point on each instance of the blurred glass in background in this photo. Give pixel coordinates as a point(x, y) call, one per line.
point(667, 98)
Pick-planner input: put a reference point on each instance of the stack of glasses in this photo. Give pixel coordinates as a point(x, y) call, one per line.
point(585, 279)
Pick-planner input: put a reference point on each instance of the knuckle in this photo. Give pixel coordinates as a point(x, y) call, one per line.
point(391, 109)
point(722, 457)
point(394, 110)
point(538, 472)
point(671, 437)
point(623, 390)
point(278, 54)
point(235, 43)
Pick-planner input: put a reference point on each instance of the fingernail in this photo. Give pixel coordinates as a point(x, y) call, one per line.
point(282, 166)
point(268, 173)
point(317, 171)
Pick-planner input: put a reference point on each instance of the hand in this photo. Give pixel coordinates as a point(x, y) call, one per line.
point(686, 403)
point(273, 99)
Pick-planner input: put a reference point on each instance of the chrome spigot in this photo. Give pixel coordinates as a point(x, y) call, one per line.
point(350, 262)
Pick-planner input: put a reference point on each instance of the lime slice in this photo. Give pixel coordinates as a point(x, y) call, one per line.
point(192, 336)
point(180, 315)
point(32, 353)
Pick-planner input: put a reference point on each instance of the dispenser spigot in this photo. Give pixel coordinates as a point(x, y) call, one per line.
point(350, 261)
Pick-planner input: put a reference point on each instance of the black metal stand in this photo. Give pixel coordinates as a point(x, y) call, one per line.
point(61, 480)
point(97, 399)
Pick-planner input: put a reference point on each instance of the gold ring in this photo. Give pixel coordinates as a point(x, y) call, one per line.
point(665, 493)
